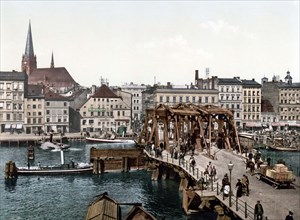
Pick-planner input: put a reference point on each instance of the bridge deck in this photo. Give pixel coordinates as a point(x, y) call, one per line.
point(276, 202)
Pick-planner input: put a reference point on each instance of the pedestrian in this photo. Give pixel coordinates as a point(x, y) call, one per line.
point(192, 162)
point(258, 211)
point(245, 182)
point(289, 216)
point(239, 191)
point(225, 181)
point(214, 172)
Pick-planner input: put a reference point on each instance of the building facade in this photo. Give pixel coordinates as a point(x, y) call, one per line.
point(34, 114)
point(13, 86)
point(251, 104)
point(104, 111)
point(56, 112)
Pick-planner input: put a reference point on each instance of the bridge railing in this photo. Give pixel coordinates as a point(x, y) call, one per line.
point(204, 181)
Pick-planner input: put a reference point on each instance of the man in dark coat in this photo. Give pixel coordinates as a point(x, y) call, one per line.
point(258, 211)
point(289, 216)
point(239, 186)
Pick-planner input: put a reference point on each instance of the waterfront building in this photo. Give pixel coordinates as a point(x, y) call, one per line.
point(136, 102)
point(251, 106)
point(105, 111)
point(34, 112)
point(285, 98)
point(13, 87)
point(230, 96)
point(229, 92)
point(268, 115)
point(56, 112)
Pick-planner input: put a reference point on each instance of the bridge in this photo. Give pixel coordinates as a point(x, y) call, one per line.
point(240, 208)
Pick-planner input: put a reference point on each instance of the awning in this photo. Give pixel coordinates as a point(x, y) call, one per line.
point(253, 124)
point(7, 126)
point(13, 126)
point(19, 126)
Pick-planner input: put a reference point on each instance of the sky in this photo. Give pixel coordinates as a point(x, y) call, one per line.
point(147, 42)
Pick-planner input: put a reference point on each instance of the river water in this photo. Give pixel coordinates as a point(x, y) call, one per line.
point(67, 197)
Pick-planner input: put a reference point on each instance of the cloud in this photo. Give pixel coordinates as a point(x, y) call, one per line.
point(221, 26)
point(175, 46)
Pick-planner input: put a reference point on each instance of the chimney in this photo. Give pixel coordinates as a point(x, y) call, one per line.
point(196, 75)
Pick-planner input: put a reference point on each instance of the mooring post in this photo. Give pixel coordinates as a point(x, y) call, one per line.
point(246, 215)
point(237, 205)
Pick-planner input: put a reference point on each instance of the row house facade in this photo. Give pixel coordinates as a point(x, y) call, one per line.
point(34, 110)
point(170, 95)
point(284, 96)
point(242, 96)
point(13, 86)
point(230, 96)
point(137, 99)
point(105, 111)
point(251, 106)
point(56, 112)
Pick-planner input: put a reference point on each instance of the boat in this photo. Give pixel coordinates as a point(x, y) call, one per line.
point(81, 168)
point(273, 147)
point(63, 169)
point(54, 145)
point(105, 140)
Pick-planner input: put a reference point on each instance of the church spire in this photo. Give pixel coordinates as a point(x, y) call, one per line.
point(29, 45)
point(28, 63)
point(52, 61)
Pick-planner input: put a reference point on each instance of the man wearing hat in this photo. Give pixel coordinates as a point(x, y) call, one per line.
point(289, 216)
point(258, 211)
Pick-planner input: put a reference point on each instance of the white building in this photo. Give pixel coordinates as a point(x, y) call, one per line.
point(13, 86)
point(105, 111)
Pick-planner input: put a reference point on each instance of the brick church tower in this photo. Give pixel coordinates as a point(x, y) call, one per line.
point(28, 59)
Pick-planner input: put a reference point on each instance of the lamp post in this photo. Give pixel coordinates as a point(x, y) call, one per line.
point(230, 167)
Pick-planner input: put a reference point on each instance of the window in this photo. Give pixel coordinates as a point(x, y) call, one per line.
point(180, 99)
point(168, 99)
point(200, 100)
point(194, 99)
point(213, 99)
point(187, 99)
point(206, 99)
point(174, 99)
point(34, 106)
point(47, 103)
point(48, 112)
point(161, 98)
point(28, 121)
point(238, 106)
point(232, 106)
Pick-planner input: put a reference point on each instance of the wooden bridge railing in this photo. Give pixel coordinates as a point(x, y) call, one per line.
point(241, 207)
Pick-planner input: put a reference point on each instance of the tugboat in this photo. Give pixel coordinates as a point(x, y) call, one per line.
point(63, 169)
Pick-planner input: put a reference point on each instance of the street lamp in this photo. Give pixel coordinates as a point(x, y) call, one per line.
point(230, 167)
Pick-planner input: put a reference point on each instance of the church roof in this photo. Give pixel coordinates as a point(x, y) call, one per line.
point(104, 92)
point(56, 77)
